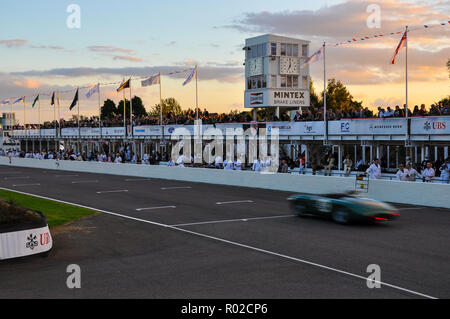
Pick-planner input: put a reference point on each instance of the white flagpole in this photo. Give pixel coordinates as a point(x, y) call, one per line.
point(407, 105)
point(406, 84)
point(325, 94)
point(10, 119)
point(131, 111)
point(196, 90)
point(24, 117)
point(58, 97)
point(160, 101)
point(39, 112)
point(124, 111)
point(99, 111)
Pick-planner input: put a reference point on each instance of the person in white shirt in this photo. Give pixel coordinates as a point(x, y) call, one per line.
point(237, 165)
point(256, 167)
point(445, 171)
point(374, 170)
point(218, 162)
point(181, 161)
point(428, 173)
point(348, 163)
point(228, 165)
point(411, 174)
point(401, 174)
point(171, 163)
point(118, 159)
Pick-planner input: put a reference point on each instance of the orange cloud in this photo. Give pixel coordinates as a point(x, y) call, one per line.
point(29, 84)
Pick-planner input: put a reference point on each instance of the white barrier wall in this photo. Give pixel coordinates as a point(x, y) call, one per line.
point(434, 195)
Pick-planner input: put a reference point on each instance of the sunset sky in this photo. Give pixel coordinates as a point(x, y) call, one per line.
point(119, 39)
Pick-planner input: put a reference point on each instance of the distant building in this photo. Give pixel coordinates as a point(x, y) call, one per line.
point(273, 72)
point(6, 121)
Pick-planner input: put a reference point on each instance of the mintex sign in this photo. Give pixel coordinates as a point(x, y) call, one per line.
point(277, 98)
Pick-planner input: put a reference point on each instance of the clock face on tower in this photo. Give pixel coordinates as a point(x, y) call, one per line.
point(256, 66)
point(289, 65)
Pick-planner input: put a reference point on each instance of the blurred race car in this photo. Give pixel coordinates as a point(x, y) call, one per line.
point(343, 208)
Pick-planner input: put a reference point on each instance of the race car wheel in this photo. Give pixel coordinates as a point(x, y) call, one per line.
point(300, 210)
point(341, 216)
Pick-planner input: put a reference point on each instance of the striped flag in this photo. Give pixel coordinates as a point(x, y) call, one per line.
point(313, 58)
point(153, 80)
point(124, 85)
point(191, 77)
point(400, 46)
point(93, 89)
point(22, 99)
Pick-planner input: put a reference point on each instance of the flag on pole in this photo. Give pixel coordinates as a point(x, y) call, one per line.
point(313, 58)
point(124, 85)
point(4, 102)
point(75, 101)
point(35, 100)
point(22, 99)
point(153, 80)
point(191, 77)
point(53, 99)
point(400, 46)
point(94, 89)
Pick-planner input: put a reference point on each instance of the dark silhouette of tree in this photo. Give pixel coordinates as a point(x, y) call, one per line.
point(109, 109)
point(170, 105)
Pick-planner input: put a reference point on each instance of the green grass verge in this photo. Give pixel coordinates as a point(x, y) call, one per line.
point(56, 213)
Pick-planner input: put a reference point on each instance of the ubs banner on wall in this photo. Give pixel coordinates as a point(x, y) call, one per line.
point(430, 125)
point(368, 127)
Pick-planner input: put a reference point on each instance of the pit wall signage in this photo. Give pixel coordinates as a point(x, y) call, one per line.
point(431, 125)
point(367, 126)
point(277, 98)
point(25, 243)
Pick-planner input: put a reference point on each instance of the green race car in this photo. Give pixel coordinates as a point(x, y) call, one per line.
point(343, 208)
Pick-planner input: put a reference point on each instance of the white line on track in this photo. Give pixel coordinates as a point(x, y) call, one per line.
point(82, 182)
point(13, 177)
point(154, 208)
point(235, 202)
point(21, 185)
point(267, 252)
point(67, 175)
point(170, 188)
point(234, 220)
point(118, 191)
point(138, 180)
point(412, 208)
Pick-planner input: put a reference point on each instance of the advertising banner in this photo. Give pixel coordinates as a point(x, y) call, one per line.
point(48, 132)
point(90, 131)
point(431, 125)
point(368, 127)
point(25, 243)
point(147, 131)
point(113, 131)
point(69, 132)
point(277, 98)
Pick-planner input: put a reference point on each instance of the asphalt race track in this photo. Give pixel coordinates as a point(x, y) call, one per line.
point(169, 239)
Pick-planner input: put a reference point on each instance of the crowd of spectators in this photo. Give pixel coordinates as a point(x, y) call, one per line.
point(188, 117)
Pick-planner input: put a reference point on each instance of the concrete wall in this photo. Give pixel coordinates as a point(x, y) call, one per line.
point(435, 195)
